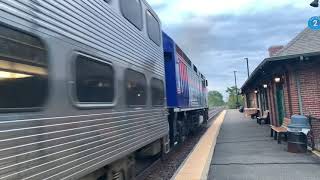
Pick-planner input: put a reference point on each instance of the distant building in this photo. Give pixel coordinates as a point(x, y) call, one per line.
point(288, 82)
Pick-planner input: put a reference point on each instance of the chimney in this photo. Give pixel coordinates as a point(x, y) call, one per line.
point(273, 50)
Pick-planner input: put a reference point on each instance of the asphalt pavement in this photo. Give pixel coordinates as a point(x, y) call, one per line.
point(245, 151)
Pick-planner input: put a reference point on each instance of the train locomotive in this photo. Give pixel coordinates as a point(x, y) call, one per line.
point(186, 91)
point(87, 87)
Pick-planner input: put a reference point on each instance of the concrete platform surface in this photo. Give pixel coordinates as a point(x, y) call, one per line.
point(245, 151)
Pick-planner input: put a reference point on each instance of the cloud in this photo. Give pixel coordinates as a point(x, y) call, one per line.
point(217, 35)
point(177, 10)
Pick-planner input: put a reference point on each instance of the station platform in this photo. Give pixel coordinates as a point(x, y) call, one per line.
point(237, 148)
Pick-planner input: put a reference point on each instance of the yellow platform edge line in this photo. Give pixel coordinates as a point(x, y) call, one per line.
point(197, 164)
point(317, 153)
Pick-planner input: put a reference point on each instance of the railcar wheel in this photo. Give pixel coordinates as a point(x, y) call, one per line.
point(120, 175)
point(123, 169)
point(181, 133)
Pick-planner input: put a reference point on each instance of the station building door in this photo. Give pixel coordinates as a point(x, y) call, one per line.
point(280, 103)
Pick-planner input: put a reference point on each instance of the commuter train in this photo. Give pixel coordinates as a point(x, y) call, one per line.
point(87, 86)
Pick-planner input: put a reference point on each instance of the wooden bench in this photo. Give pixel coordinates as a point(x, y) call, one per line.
point(279, 131)
point(265, 118)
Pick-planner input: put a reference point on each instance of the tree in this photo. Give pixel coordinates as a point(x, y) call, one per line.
point(232, 100)
point(215, 98)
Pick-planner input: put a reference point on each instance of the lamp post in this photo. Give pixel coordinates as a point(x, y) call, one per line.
point(235, 83)
point(247, 67)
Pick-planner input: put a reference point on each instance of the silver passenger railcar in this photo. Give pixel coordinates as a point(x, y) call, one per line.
point(81, 88)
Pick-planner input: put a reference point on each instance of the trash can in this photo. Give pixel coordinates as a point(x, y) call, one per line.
point(297, 137)
point(297, 142)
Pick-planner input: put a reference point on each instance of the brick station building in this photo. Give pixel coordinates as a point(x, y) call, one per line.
point(288, 82)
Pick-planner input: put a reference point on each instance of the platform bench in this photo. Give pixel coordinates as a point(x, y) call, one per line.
point(265, 118)
point(277, 132)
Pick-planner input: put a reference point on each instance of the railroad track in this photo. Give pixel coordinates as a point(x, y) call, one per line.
point(215, 111)
point(165, 167)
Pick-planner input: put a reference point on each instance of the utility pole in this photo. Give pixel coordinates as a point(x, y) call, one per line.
point(235, 83)
point(247, 67)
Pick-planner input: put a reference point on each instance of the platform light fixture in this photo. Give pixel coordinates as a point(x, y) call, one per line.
point(277, 79)
point(256, 91)
point(265, 86)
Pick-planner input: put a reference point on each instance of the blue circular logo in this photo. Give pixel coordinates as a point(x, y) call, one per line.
point(314, 23)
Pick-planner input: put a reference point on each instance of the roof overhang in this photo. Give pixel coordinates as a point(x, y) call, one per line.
point(262, 67)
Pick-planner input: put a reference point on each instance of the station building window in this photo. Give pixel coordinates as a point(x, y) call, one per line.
point(136, 88)
point(23, 70)
point(157, 89)
point(132, 11)
point(94, 80)
point(153, 28)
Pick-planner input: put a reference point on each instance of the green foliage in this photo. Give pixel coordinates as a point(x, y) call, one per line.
point(232, 100)
point(215, 98)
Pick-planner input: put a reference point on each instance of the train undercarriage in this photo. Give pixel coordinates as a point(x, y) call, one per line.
point(182, 124)
point(130, 166)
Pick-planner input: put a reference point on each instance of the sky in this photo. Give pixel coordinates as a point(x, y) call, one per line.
point(217, 35)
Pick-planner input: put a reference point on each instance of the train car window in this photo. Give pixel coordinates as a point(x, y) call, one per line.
point(157, 89)
point(153, 28)
point(94, 80)
point(183, 55)
point(195, 68)
point(23, 70)
point(136, 88)
point(187, 60)
point(132, 11)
